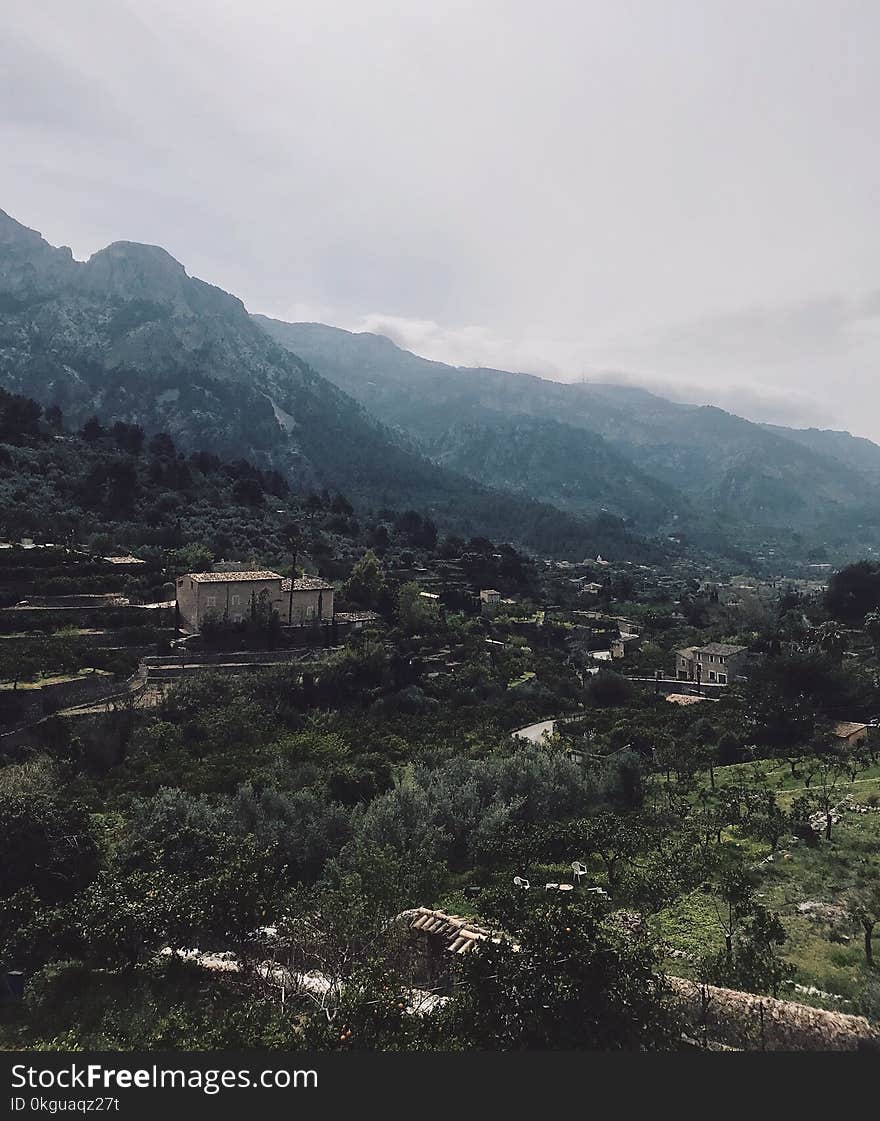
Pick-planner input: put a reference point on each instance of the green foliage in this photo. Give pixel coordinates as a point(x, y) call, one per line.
point(166, 1004)
point(366, 582)
point(752, 962)
point(117, 920)
point(463, 809)
point(45, 837)
point(415, 613)
point(854, 591)
point(192, 558)
point(19, 417)
point(608, 689)
point(571, 983)
point(863, 906)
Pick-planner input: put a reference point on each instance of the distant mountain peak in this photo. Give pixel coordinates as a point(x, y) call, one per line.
point(138, 251)
point(134, 270)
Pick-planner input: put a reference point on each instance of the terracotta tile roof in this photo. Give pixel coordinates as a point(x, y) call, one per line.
point(847, 728)
point(307, 584)
point(460, 934)
point(231, 577)
point(721, 648)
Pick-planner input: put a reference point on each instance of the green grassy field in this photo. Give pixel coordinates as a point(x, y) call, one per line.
point(780, 778)
point(825, 949)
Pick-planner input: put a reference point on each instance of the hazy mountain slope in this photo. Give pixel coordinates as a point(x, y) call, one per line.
point(739, 470)
point(128, 335)
point(492, 425)
point(572, 468)
point(855, 452)
point(728, 466)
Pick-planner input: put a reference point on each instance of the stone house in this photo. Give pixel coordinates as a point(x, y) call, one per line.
point(225, 595)
point(489, 600)
point(231, 595)
point(718, 663)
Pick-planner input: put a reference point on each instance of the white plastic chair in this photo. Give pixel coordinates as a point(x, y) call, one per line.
point(580, 870)
point(518, 881)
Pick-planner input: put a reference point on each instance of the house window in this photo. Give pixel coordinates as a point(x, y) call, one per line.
point(722, 678)
point(236, 600)
point(711, 675)
point(237, 617)
point(211, 601)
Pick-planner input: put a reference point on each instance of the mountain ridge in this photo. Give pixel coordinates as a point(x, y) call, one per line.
point(725, 466)
point(128, 334)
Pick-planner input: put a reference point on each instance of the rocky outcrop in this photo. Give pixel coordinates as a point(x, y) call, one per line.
point(29, 267)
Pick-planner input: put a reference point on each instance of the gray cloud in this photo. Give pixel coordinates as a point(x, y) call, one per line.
point(671, 190)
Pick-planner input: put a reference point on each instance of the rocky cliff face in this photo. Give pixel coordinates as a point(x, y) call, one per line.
point(29, 266)
point(130, 335)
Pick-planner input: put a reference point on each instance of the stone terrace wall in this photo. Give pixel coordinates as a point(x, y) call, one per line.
point(755, 1023)
point(33, 618)
point(66, 694)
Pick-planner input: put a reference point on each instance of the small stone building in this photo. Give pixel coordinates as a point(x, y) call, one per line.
point(435, 935)
point(718, 663)
point(625, 644)
point(850, 732)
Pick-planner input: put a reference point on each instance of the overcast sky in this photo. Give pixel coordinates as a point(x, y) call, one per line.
point(682, 192)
